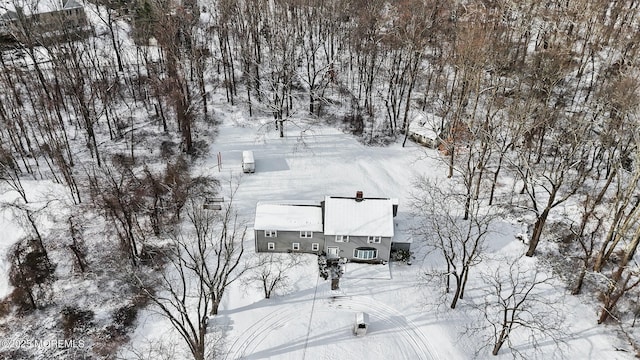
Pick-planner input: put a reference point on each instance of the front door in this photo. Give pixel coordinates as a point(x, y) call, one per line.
point(333, 252)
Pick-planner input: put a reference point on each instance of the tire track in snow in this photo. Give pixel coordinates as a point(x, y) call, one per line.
point(417, 345)
point(414, 337)
point(257, 333)
point(253, 344)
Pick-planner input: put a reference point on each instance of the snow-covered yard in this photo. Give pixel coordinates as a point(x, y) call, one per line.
point(308, 320)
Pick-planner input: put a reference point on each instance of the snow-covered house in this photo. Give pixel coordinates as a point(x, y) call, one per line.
point(288, 227)
point(357, 228)
point(48, 18)
point(426, 130)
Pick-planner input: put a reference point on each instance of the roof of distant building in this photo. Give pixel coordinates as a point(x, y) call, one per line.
point(30, 7)
point(427, 127)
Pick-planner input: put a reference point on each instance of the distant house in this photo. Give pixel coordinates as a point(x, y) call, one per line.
point(426, 131)
point(46, 18)
point(357, 228)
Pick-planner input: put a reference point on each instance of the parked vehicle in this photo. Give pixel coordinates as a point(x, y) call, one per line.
point(248, 162)
point(362, 323)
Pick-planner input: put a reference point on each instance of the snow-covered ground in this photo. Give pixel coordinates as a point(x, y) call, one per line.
point(11, 232)
point(308, 320)
point(46, 201)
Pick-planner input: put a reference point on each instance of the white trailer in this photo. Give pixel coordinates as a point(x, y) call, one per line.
point(248, 162)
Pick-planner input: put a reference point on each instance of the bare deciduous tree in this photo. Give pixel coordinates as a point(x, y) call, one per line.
point(516, 300)
point(460, 241)
point(205, 258)
point(271, 270)
point(181, 296)
point(556, 176)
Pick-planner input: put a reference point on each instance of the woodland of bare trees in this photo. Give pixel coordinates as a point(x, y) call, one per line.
point(538, 101)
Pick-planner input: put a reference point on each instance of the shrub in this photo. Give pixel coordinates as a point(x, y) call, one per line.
point(125, 316)
point(31, 274)
point(75, 320)
point(5, 307)
point(109, 341)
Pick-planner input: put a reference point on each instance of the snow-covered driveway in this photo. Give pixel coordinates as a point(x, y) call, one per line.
point(308, 322)
point(320, 161)
point(321, 327)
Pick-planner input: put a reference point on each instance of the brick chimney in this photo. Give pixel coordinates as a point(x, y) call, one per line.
point(359, 196)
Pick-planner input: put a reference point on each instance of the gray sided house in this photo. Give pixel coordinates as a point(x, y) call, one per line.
point(288, 227)
point(358, 228)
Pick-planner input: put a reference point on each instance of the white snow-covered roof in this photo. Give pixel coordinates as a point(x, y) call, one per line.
point(369, 217)
point(426, 126)
point(288, 216)
point(426, 132)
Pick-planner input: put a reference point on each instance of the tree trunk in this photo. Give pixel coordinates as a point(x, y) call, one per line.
point(611, 299)
point(448, 281)
point(79, 257)
point(504, 333)
point(495, 179)
point(537, 232)
point(267, 293)
point(499, 342)
point(465, 277)
point(197, 350)
point(578, 288)
point(456, 295)
point(215, 304)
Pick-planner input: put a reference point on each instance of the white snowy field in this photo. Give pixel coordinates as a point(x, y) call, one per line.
point(308, 320)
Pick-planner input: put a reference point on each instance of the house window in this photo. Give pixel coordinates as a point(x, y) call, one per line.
point(374, 239)
point(342, 238)
point(306, 234)
point(315, 247)
point(295, 246)
point(271, 246)
point(270, 233)
point(365, 253)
